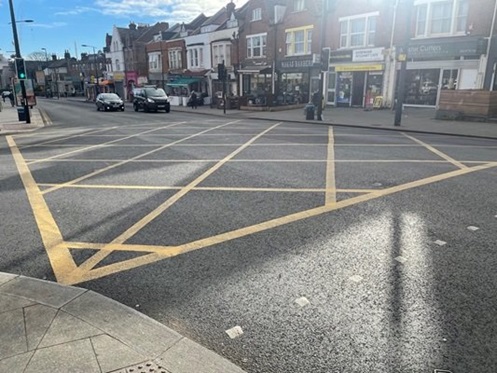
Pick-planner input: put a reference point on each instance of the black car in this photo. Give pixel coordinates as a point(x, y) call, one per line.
point(150, 99)
point(109, 101)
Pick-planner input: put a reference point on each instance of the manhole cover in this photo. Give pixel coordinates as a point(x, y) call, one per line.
point(147, 367)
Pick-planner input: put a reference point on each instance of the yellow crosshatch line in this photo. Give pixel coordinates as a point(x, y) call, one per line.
point(67, 272)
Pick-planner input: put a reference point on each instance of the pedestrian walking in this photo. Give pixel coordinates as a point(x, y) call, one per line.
point(193, 100)
point(11, 98)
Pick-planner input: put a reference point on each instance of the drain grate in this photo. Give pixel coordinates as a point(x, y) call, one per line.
point(147, 367)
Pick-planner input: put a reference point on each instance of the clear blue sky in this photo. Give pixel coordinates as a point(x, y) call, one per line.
point(66, 24)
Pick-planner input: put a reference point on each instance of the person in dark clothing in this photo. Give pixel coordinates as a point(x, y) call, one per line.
point(193, 100)
point(11, 98)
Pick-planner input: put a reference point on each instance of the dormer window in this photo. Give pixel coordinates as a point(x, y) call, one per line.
point(298, 5)
point(256, 14)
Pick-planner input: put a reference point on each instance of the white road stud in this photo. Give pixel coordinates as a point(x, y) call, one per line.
point(356, 278)
point(234, 332)
point(302, 301)
point(401, 259)
point(473, 228)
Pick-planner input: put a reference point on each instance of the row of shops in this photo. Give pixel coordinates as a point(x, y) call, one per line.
point(355, 78)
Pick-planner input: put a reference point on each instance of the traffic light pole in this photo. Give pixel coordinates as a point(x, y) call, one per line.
point(18, 55)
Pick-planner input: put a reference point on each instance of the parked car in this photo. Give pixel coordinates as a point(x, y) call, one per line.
point(150, 99)
point(109, 101)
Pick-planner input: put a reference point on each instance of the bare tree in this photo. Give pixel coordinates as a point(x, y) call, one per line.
point(37, 56)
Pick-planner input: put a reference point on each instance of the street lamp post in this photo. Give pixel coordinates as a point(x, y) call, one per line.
point(18, 55)
point(96, 68)
point(46, 67)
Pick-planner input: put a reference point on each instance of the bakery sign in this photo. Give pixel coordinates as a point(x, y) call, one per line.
point(368, 55)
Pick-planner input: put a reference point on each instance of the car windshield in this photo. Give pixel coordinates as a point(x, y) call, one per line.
point(154, 92)
point(110, 96)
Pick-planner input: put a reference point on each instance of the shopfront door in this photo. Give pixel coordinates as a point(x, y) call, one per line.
point(331, 89)
point(358, 88)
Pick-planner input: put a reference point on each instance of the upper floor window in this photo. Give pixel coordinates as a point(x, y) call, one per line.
point(298, 5)
point(436, 17)
point(220, 53)
point(175, 60)
point(155, 62)
point(196, 57)
point(358, 31)
point(299, 41)
point(256, 46)
point(256, 14)
point(118, 65)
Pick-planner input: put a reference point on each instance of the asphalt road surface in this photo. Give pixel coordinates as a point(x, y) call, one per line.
point(332, 249)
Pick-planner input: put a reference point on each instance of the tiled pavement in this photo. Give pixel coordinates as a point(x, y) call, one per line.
point(50, 328)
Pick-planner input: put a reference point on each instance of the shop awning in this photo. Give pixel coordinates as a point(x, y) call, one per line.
point(256, 69)
point(183, 82)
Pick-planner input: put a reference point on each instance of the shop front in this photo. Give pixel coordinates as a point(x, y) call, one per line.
point(298, 80)
point(356, 77)
point(255, 82)
point(442, 64)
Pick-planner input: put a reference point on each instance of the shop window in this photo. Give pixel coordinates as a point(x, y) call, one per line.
point(256, 46)
point(435, 17)
point(358, 31)
point(256, 14)
point(299, 41)
point(422, 86)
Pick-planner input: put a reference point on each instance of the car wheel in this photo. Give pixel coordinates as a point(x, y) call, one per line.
point(168, 110)
point(98, 108)
point(122, 109)
point(145, 109)
point(135, 107)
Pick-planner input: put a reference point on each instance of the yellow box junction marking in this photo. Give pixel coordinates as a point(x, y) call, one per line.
point(67, 272)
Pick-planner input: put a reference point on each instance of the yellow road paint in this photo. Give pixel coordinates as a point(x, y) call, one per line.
point(130, 232)
point(213, 189)
point(44, 143)
point(161, 252)
point(58, 253)
point(86, 148)
point(437, 152)
point(330, 196)
point(97, 172)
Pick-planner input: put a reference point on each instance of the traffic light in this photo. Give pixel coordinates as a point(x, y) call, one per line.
point(20, 68)
point(221, 71)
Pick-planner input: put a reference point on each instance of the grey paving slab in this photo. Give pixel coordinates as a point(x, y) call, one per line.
point(13, 335)
point(10, 302)
point(44, 292)
point(77, 356)
point(113, 354)
point(38, 319)
point(6, 277)
point(66, 328)
point(16, 364)
point(200, 359)
point(125, 324)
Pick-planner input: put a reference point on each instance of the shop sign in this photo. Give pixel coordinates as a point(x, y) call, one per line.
point(447, 49)
point(368, 55)
point(296, 63)
point(341, 56)
point(118, 76)
point(351, 67)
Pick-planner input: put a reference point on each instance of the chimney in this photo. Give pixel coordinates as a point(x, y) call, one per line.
point(230, 8)
point(132, 26)
point(54, 57)
point(67, 55)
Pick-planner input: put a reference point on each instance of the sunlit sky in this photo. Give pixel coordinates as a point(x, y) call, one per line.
point(61, 25)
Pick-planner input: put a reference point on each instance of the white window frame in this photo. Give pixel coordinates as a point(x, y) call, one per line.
point(118, 65)
point(154, 62)
point(195, 57)
point(221, 52)
point(256, 14)
point(298, 5)
point(262, 45)
point(368, 35)
point(425, 29)
point(175, 59)
point(306, 41)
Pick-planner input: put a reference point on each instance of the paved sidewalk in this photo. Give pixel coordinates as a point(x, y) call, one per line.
point(49, 328)
point(413, 119)
point(10, 124)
